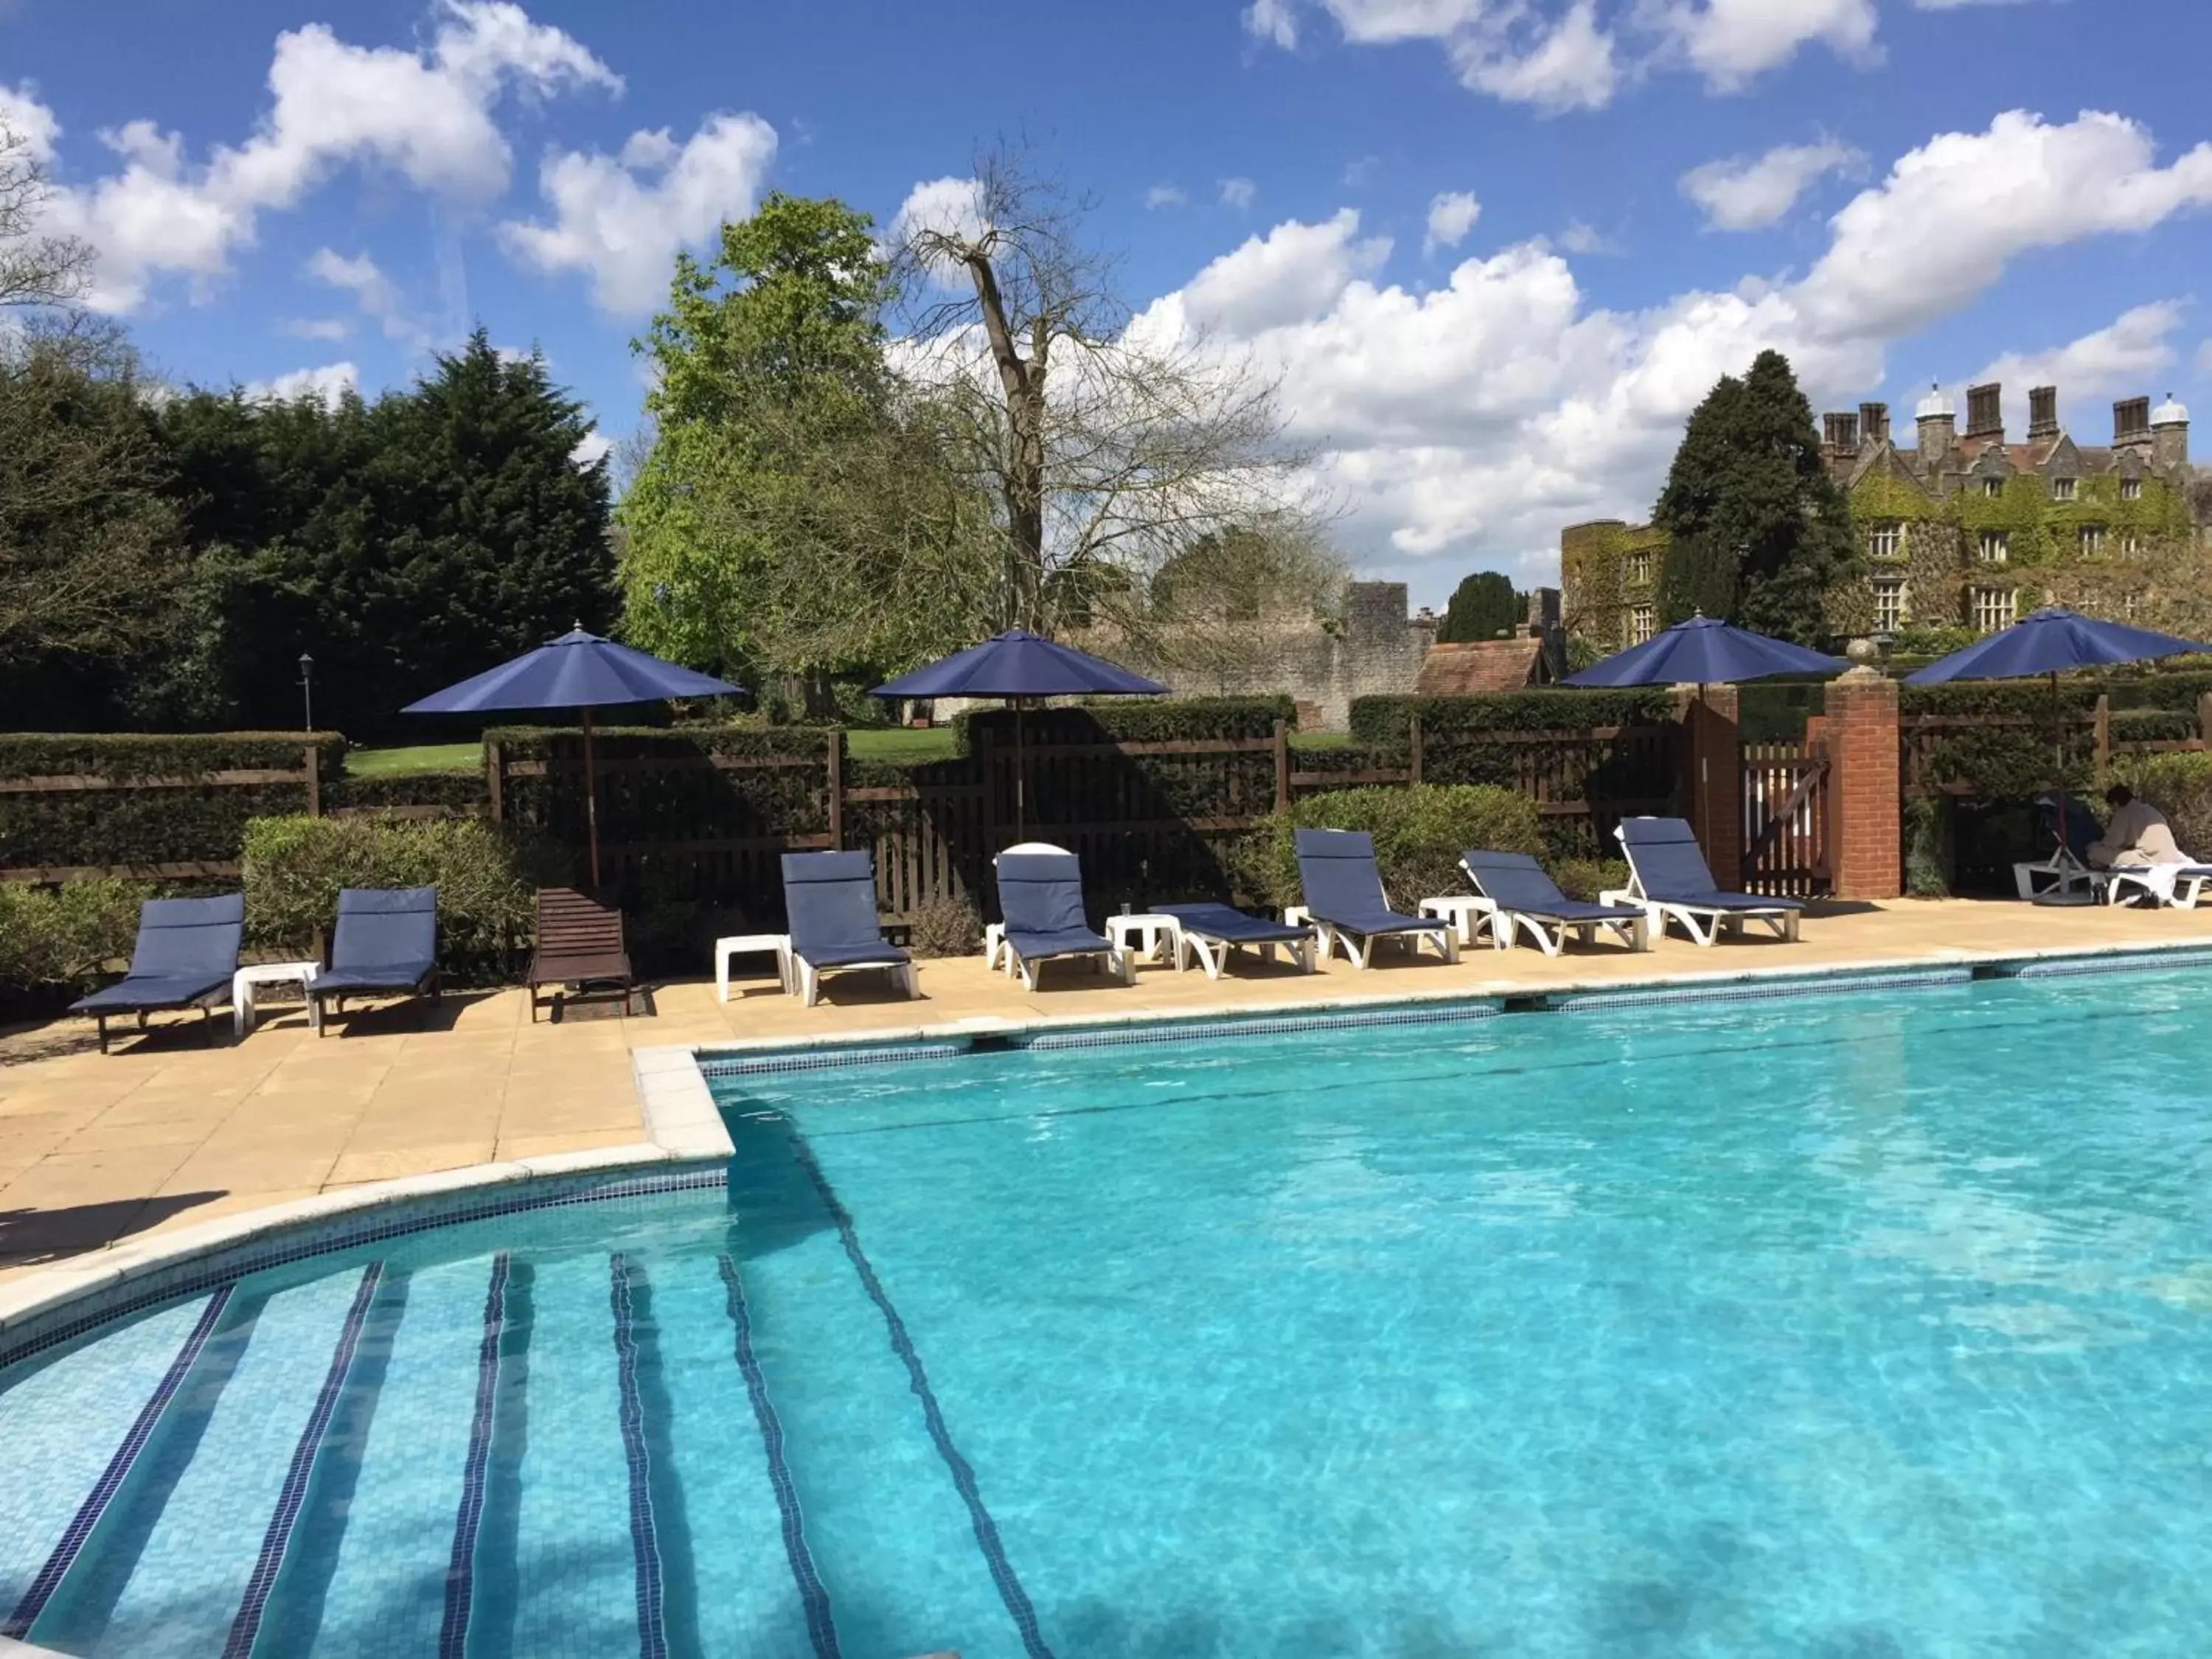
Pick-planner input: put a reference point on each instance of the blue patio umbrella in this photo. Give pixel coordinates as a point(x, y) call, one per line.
point(1017, 666)
point(577, 671)
point(2053, 640)
point(1704, 651)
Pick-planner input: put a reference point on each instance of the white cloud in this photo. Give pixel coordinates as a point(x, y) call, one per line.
point(592, 447)
point(1732, 42)
point(31, 121)
point(1451, 216)
point(425, 114)
point(2118, 360)
point(622, 218)
point(1292, 273)
point(952, 206)
point(1952, 214)
point(1273, 21)
point(1237, 194)
point(329, 383)
point(319, 328)
point(1580, 238)
point(372, 291)
point(1478, 419)
point(1161, 196)
point(1558, 55)
point(1748, 192)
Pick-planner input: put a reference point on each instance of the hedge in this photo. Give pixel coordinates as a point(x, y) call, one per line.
point(457, 793)
point(192, 824)
point(2180, 785)
point(486, 876)
point(1131, 719)
point(686, 804)
point(1420, 832)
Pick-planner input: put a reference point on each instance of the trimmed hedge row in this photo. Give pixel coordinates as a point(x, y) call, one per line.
point(1385, 723)
point(682, 803)
point(456, 792)
point(1127, 719)
point(188, 824)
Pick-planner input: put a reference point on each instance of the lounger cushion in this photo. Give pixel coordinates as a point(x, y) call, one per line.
point(1671, 868)
point(150, 991)
point(1514, 882)
point(1336, 868)
point(879, 954)
point(388, 976)
point(1220, 921)
point(1058, 942)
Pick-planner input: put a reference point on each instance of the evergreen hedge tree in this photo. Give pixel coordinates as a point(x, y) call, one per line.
point(1748, 498)
point(1483, 606)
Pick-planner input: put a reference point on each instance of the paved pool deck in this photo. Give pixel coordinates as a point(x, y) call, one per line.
point(167, 1132)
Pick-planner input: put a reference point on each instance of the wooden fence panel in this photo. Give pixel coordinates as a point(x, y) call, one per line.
point(1788, 820)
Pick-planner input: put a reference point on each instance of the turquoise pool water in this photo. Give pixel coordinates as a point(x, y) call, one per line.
point(1840, 1326)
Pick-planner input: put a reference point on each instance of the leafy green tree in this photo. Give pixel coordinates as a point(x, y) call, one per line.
point(1748, 484)
point(792, 515)
point(1483, 606)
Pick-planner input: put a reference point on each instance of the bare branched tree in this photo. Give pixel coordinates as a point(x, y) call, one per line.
point(36, 269)
point(1107, 444)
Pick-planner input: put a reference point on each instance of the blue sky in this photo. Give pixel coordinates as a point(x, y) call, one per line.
point(1494, 248)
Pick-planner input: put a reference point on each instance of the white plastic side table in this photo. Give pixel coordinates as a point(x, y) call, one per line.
point(245, 980)
point(1145, 933)
point(1467, 912)
point(739, 944)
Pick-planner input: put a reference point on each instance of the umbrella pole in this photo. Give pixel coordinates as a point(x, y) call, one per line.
point(1021, 777)
point(2058, 756)
point(591, 802)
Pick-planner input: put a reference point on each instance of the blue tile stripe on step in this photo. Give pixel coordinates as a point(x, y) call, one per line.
point(812, 1595)
point(460, 1571)
point(247, 1626)
point(27, 1611)
point(1596, 1002)
point(1003, 1576)
point(644, 1536)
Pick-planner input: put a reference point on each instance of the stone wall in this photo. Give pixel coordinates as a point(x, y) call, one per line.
point(1376, 650)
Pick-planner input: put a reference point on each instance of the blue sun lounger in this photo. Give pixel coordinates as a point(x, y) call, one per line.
point(1525, 898)
point(830, 900)
point(1041, 896)
point(1211, 932)
point(1668, 876)
point(1345, 901)
point(187, 952)
point(386, 944)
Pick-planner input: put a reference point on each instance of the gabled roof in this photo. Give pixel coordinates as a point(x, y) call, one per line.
point(1463, 669)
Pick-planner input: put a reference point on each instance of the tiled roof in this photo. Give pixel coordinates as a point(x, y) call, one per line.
point(1455, 670)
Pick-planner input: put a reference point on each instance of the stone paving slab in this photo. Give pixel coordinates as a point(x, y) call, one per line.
point(167, 1132)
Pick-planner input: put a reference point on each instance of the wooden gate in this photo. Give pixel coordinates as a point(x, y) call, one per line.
point(1786, 820)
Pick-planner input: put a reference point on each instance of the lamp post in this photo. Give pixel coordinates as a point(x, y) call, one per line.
point(307, 689)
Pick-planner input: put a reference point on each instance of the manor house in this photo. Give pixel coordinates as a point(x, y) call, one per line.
point(1954, 530)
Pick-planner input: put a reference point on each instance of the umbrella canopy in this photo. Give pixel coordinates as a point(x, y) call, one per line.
point(2050, 640)
point(1704, 651)
point(1019, 664)
point(577, 671)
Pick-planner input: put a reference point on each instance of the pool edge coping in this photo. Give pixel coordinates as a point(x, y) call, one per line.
point(681, 1125)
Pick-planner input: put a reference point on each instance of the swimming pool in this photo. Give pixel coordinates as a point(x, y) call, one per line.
point(1876, 1323)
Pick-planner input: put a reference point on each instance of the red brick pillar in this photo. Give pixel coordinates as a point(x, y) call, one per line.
point(1713, 752)
point(1867, 843)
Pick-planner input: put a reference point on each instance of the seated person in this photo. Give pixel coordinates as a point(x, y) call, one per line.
point(2135, 835)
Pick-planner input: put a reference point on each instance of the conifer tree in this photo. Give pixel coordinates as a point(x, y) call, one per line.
point(1756, 520)
point(1483, 606)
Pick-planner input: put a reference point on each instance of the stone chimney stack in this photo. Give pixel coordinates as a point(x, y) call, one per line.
point(1840, 435)
point(2042, 412)
point(1938, 423)
point(2132, 423)
point(1873, 425)
point(2169, 434)
point(1986, 412)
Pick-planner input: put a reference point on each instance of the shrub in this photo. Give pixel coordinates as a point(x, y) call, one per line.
point(1585, 878)
point(2180, 785)
point(1384, 723)
point(453, 792)
point(1927, 847)
point(63, 936)
point(946, 927)
point(1419, 831)
point(485, 878)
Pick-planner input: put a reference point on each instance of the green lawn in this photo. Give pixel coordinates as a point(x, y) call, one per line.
point(417, 758)
point(900, 743)
point(1321, 740)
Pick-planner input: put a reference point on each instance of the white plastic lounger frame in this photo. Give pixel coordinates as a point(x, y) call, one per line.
point(1360, 948)
point(1703, 923)
point(1115, 961)
point(2123, 882)
point(1549, 933)
point(806, 978)
point(2059, 872)
point(1213, 954)
point(994, 936)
